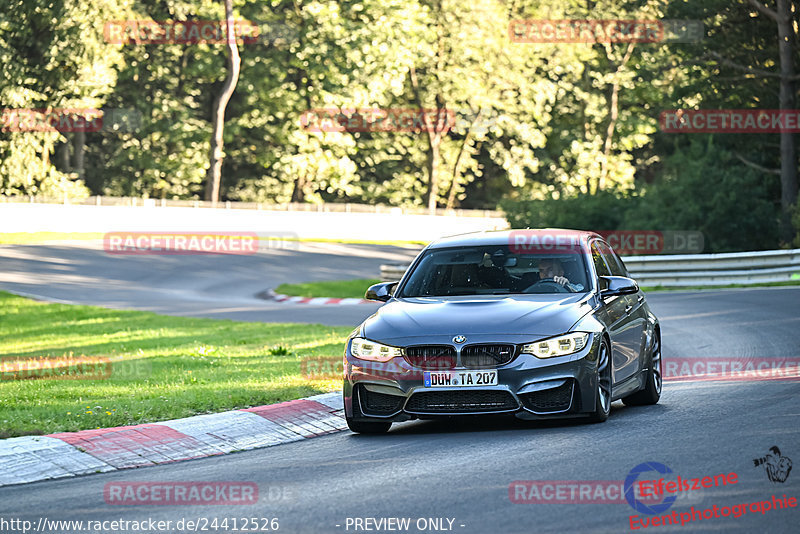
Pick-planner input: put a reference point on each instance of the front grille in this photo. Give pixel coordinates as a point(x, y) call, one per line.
point(483, 356)
point(373, 403)
point(433, 357)
point(461, 401)
point(556, 399)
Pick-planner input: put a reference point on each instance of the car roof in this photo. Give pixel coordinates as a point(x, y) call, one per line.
point(505, 237)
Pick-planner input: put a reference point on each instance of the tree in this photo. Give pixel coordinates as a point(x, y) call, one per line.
point(218, 115)
point(703, 187)
point(171, 84)
point(787, 46)
point(52, 57)
point(468, 68)
point(735, 67)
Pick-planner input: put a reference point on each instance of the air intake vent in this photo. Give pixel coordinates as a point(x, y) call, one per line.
point(432, 357)
point(486, 356)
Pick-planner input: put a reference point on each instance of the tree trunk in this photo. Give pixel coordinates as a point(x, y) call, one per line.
point(451, 196)
point(434, 132)
point(787, 101)
point(433, 172)
point(782, 15)
point(214, 175)
point(613, 117)
point(63, 156)
point(77, 156)
point(298, 191)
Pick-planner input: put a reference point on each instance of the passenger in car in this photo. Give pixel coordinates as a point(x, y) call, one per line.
point(495, 276)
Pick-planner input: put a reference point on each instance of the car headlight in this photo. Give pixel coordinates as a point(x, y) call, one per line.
point(557, 346)
point(365, 349)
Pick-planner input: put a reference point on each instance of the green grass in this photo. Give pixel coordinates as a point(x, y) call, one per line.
point(162, 367)
point(330, 288)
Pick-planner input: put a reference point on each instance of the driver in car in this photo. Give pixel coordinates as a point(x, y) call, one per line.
point(551, 268)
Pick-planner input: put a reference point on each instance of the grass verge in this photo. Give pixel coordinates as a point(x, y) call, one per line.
point(161, 367)
point(329, 288)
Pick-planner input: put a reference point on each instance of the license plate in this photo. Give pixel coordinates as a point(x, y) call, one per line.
point(447, 379)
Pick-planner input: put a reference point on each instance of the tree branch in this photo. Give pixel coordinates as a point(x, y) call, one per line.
point(764, 10)
point(756, 165)
point(451, 196)
point(733, 65)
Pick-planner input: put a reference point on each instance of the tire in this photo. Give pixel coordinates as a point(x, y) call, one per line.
point(361, 427)
point(652, 388)
point(602, 403)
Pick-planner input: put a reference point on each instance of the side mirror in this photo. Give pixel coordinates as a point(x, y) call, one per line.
point(381, 292)
point(618, 285)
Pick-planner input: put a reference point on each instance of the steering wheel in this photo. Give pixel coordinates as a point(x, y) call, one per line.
point(550, 283)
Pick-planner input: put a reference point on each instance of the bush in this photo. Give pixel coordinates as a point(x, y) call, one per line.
point(702, 188)
point(603, 211)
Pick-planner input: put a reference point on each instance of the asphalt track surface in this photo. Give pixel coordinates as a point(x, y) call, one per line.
point(461, 470)
point(216, 286)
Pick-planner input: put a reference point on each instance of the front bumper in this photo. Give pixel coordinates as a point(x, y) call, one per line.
point(528, 387)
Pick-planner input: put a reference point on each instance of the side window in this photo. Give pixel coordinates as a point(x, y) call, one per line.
point(599, 263)
point(621, 264)
point(613, 261)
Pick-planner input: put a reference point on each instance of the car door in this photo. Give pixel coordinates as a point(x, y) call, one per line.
point(638, 312)
point(624, 330)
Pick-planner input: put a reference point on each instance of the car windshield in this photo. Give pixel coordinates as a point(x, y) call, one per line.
point(495, 270)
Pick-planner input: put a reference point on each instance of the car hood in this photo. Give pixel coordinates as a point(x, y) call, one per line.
point(485, 316)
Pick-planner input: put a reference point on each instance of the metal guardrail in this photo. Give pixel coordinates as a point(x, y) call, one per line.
point(715, 269)
point(390, 273)
point(683, 270)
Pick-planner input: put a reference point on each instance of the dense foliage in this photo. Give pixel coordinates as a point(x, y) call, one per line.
point(560, 134)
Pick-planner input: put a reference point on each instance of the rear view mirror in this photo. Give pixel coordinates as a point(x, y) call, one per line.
point(380, 292)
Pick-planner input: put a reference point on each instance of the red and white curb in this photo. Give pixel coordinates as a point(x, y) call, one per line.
point(315, 300)
point(65, 454)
